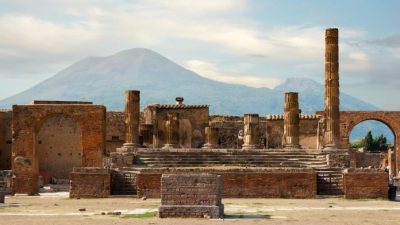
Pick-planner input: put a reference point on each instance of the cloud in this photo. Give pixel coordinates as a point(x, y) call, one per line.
point(211, 71)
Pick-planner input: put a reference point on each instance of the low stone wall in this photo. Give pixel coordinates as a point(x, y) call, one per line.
point(241, 183)
point(90, 183)
point(365, 183)
point(191, 195)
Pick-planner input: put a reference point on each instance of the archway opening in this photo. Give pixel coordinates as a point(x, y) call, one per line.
point(58, 147)
point(372, 142)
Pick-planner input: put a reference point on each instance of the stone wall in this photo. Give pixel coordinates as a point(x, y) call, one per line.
point(365, 183)
point(368, 159)
point(242, 183)
point(191, 195)
point(59, 147)
point(90, 183)
point(115, 131)
point(192, 121)
point(5, 139)
point(27, 122)
point(271, 131)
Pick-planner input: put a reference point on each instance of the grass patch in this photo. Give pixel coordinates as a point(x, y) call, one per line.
point(246, 216)
point(140, 216)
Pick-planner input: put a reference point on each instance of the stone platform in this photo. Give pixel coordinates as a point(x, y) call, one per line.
point(191, 195)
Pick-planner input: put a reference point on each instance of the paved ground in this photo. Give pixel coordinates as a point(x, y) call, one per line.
point(59, 209)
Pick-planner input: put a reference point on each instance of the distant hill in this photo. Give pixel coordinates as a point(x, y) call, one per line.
point(103, 80)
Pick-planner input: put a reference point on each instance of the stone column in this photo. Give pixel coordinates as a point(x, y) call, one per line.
point(172, 131)
point(291, 121)
point(251, 131)
point(146, 131)
point(211, 138)
point(332, 89)
point(132, 116)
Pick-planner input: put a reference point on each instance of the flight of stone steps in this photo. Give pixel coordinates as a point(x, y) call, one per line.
point(329, 181)
point(228, 157)
point(123, 183)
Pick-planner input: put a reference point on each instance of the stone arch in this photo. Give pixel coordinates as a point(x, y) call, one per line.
point(58, 146)
point(349, 119)
point(27, 121)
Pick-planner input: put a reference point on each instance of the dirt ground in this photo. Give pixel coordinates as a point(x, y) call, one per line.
point(49, 209)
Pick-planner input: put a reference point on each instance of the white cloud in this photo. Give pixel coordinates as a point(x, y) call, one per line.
point(211, 71)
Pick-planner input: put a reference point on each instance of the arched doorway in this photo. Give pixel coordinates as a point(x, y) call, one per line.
point(58, 147)
point(372, 142)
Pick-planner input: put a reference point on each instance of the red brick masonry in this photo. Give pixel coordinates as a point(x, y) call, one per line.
point(90, 183)
point(242, 183)
point(367, 183)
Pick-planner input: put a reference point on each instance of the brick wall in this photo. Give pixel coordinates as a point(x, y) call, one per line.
point(365, 183)
point(90, 183)
point(191, 195)
point(244, 183)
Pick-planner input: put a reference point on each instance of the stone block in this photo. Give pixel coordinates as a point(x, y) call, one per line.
point(191, 195)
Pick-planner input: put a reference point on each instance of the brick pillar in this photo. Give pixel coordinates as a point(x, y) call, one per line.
point(251, 131)
point(172, 131)
point(132, 116)
point(332, 89)
point(211, 138)
point(291, 121)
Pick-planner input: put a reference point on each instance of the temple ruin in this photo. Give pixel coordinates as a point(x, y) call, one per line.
point(290, 155)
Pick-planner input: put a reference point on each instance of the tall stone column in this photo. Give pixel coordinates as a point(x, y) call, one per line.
point(251, 131)
point(291, 121)
point(132, 116)
point(211, 138)
point(172, 131)
point(332, 89)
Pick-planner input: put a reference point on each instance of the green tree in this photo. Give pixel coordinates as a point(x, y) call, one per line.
point(369, 141)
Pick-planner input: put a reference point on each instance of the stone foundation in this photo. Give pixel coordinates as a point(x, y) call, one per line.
point(191, 195)
point(241, 183)
point(365, 183)
point(90, 183)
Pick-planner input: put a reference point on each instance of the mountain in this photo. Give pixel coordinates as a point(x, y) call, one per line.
point(103, 80)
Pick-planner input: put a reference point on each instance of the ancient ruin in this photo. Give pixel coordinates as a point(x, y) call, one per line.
point(183, 154)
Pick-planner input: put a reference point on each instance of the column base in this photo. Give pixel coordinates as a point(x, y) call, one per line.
point(168, 146)
point(292, 147)
point(332, 148)
point(210, 146)
point(128, 147)
point(248, 146)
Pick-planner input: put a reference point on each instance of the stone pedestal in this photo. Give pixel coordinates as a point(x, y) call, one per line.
point(191, 195)
point(251, 131)
point(172, 131)
point(291, 121)
point(331, 89)
point(211, 138)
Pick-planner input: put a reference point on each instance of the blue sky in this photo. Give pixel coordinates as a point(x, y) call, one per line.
point(255, 43)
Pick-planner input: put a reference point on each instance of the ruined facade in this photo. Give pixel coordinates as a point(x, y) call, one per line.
point(254, 155)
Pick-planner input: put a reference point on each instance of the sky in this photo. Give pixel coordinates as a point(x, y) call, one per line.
point(250, 42)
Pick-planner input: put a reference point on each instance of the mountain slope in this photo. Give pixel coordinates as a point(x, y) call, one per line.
point(103, 80)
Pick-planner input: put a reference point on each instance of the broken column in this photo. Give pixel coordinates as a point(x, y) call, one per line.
point(132, 116)
point(251, 131)
point(172, 131)
point(211, 138)
point(332, 88)
point(291, 121)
